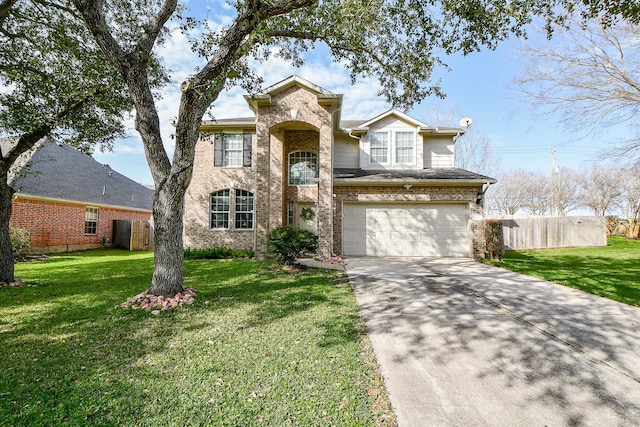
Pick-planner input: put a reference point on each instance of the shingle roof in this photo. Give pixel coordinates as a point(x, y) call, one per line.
point(349, 124)
point(360, 176)
point(60, 172)
point(239, 121)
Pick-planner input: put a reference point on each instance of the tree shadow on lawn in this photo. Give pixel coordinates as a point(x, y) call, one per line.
point(71, 357)
point(275, 293)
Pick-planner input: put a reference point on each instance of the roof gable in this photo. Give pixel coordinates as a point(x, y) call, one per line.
point(423, 127)
point(295, 81)
point(56, 171)
point(398, 114)
point(324, 96)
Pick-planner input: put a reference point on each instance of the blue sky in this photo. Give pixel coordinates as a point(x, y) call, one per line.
point(478, 85)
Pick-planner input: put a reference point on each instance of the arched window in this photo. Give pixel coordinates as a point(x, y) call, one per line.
point(303, 168)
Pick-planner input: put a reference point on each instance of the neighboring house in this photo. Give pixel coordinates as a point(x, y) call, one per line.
point(386, 186)
point(68, 201)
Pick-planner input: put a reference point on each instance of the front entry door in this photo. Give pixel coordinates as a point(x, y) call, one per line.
point(306, 217)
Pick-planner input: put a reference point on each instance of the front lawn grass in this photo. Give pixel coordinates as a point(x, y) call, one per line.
point(272, 347)
point(612, 271)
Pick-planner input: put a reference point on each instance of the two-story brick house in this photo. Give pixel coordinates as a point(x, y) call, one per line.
point(386, 186)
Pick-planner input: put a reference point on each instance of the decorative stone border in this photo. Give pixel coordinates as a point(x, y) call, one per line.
point(157, 303)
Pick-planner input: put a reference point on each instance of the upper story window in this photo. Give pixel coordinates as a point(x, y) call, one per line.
point(221, 210)
point(303, 168)
point(379, 147)
point(392, 147)
point(232, 149)
point(404, 147)
point(91, 220)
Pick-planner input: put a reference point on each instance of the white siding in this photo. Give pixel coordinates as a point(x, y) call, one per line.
point(439, 153)
point(391, 122)
point(346, 153)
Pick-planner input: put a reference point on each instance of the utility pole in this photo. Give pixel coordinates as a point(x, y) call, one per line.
point(554, 181)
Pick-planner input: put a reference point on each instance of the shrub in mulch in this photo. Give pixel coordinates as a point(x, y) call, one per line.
point(287, 243)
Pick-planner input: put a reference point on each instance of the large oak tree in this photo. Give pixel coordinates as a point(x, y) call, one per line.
point(398, 41)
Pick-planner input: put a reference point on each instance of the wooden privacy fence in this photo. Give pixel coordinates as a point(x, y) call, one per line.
point(540, 232)
point(134, 235)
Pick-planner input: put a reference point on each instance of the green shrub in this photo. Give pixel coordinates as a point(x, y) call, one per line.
point(286, 243)
point(218, 253)
point(20, 241)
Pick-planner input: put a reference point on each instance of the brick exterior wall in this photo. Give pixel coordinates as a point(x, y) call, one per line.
point(279, 134)
point(478, 228)
point(276, 135)
point(206, 180)
point(59, 226)
point(400, 194)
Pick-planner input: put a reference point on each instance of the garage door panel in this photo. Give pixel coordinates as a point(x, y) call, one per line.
point(385, 229)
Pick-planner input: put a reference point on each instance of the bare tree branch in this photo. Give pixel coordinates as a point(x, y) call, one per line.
point(586, 78)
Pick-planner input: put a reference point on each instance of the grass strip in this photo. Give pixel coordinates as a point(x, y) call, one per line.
point(612, 272)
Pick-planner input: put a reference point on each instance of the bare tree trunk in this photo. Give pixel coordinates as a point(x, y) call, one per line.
point(169, 252)
point(6, 255)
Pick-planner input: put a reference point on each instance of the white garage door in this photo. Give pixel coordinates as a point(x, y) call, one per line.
point(420, 229)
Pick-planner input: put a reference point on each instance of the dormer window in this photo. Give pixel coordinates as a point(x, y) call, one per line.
point(303, 168)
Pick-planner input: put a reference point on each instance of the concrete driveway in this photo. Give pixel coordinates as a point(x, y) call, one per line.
point(466, 344)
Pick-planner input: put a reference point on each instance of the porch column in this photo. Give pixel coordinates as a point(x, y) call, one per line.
point(262, 159)
point(325, 190)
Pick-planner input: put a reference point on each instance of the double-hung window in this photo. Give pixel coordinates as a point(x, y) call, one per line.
point(243, 210)
point(393, 147)
point(404, 147)
point(227, 215)
point(379, 147)
point(232, 149)
point(220, 209)
point(91, 220)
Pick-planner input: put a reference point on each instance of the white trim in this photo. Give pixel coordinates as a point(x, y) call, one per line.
point(399, 114)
